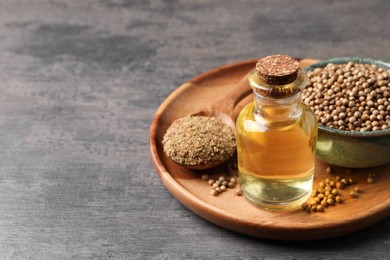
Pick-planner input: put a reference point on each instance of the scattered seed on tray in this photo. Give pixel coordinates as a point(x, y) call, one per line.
point(371, 178)
point(222, 183)
point(214, 192)
point(353, 194)
point(339, 199)
point(205, 177)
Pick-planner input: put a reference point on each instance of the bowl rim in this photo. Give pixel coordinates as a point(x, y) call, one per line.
point(344, 60)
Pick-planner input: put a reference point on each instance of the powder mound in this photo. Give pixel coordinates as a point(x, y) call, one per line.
point(199, 140)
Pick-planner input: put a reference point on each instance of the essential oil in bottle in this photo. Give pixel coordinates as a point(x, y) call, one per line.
point(276, 136)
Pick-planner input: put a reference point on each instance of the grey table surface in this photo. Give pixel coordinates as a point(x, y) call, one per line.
point(80, 82)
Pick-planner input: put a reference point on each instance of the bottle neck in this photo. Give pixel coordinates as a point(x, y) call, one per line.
point(277, 112)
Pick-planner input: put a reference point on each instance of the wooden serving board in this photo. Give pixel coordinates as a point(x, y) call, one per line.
point(234, 212)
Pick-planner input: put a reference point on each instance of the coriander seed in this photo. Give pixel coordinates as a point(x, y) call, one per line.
point(205, 177)
point(352, 181)
point(340, 185)
point(238, 192)
point(353, 194)
point(345, 182)
point(214, 192)
point(231, 185)
point(339, 199)
point(330, 201)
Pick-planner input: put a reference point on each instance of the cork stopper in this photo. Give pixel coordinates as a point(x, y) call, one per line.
point(277, 69)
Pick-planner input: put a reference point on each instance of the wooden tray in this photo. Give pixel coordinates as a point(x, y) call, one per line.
point(234, 212)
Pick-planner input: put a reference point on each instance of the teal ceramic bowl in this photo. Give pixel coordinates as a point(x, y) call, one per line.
point(352, 149)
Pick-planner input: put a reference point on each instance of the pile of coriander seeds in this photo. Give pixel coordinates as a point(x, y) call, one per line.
point(350, 97)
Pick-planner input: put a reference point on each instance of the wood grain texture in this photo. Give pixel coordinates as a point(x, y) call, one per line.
point(80, 82)
point(234, 212)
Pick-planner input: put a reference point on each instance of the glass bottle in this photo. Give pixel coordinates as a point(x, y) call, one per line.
point(276, 136)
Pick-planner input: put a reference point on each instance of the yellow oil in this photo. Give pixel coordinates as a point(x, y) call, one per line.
point(276, 154)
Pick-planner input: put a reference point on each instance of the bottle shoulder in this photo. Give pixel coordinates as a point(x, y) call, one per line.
point(249, 120)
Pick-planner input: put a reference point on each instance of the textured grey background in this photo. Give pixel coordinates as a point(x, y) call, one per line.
point(80, 82)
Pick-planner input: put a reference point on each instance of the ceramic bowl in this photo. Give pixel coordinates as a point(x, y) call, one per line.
point(352, 149)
